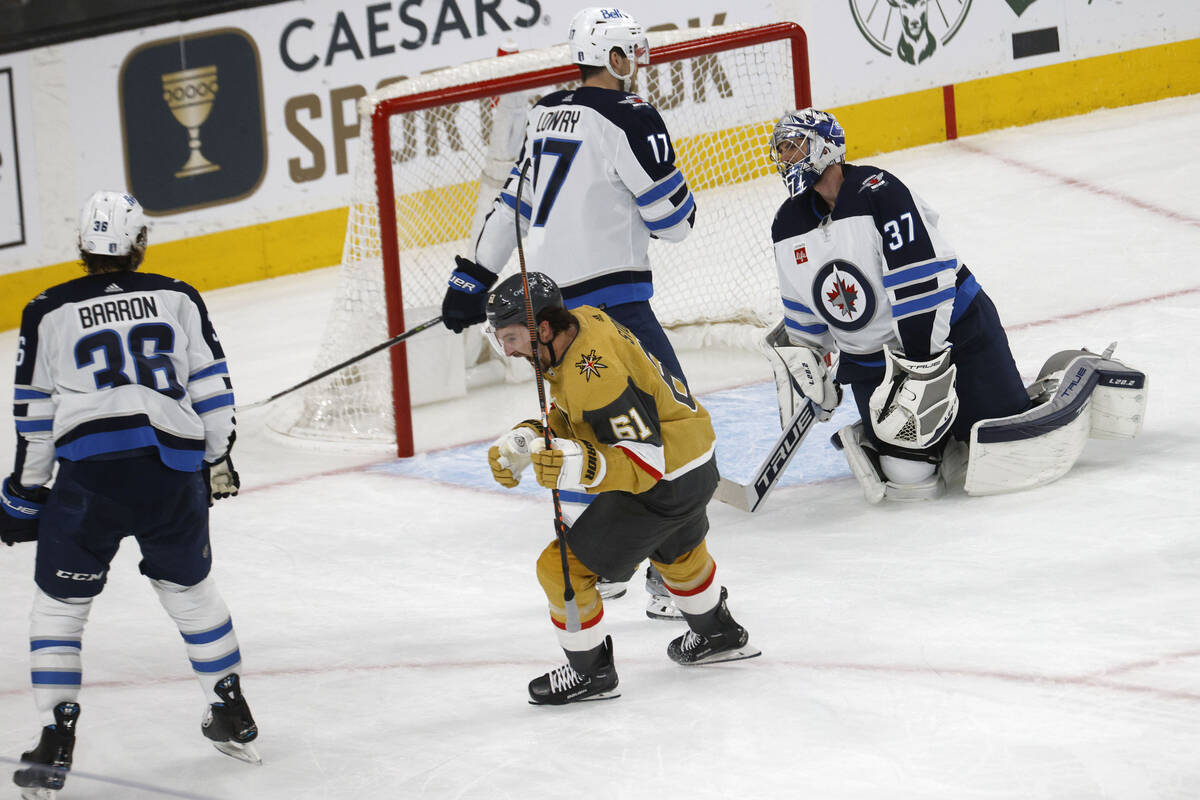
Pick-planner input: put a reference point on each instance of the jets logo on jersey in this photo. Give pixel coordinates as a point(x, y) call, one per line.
point(843, 296)
point(633, 100)
point(589, 365)
point(801, 255)
point(873, 182)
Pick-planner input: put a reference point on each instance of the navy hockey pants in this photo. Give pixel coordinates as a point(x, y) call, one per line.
point(96, 503)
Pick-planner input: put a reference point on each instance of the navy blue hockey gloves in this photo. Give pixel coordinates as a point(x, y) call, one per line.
point(222, 479)
point(22, 507)
point(463, 305)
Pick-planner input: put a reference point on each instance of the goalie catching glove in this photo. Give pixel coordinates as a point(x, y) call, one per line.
point(570, 465)
point(916, 403)
point(800, 373)
point(509, 455)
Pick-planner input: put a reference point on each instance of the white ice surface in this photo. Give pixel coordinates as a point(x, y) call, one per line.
point(1041, 646)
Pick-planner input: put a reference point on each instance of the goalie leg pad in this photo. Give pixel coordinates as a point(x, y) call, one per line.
point(888, 477)
point(1039, 446)
point(863, 462)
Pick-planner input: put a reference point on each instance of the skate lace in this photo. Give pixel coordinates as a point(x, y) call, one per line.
point(564, 678)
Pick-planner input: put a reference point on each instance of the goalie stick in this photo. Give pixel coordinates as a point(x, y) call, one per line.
point(397, 339)
point(748, 497)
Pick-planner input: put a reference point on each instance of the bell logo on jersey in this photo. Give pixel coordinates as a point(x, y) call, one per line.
point(589, 365)
point(801, 255)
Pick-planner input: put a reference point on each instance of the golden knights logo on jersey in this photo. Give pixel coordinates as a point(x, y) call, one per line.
point(642, 419)
point(590, 364)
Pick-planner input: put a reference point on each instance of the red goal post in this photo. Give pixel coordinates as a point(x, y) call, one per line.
point(440, 104)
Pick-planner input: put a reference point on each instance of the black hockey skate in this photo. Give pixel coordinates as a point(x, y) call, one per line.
point(51, 759)
point(595, 679)
point(229, 724)
point(714, 636)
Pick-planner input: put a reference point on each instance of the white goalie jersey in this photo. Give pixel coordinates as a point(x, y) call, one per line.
point(602, 180)
point(116, 363)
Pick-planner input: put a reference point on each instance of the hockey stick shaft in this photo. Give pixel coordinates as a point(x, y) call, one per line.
point(397, 339)
point(748, 497)
point(569, 607)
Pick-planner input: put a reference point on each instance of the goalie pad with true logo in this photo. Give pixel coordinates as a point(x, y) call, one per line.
point(1078, 395)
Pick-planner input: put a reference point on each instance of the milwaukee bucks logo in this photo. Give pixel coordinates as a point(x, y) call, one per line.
point(912, 29)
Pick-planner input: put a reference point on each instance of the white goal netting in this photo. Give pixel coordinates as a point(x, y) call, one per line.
point(449, 159)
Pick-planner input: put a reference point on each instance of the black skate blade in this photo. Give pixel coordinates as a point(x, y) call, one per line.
point(242, 752)
point(740, 654)
point(598, 696)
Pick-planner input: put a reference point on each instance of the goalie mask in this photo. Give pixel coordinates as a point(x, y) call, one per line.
point(803, 145)
point(112, 224)
point(596, 31)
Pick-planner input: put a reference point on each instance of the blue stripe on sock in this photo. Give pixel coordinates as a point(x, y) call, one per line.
point(219, 665)
point(38, 644)
point(42, 678)
point(205, 637)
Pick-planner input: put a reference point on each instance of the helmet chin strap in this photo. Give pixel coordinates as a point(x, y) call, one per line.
point(549, 345)
point(626, 80)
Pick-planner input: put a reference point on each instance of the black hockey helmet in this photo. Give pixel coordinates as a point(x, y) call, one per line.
point(506, 302)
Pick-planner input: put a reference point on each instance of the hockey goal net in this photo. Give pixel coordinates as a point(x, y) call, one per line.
point(436, 148)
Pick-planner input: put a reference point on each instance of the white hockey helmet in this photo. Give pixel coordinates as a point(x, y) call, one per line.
point(596, 31)
point(804, 144)
point(112, 224)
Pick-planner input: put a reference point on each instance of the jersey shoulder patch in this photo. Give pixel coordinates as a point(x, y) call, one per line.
point(870, 189)
point(627, 111)
point(558, 98)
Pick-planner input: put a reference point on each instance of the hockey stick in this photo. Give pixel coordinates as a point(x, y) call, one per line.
point(397, 339)
point(748, 497)
point(560, 529)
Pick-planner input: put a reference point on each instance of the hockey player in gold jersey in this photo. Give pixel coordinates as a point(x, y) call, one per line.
point(628, 431)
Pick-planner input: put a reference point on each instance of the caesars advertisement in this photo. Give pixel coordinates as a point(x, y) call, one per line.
point(249, 117)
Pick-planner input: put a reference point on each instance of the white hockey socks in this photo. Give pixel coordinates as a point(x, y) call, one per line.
point(207, 629)
point(55, 638)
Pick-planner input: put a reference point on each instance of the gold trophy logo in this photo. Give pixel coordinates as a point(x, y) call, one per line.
point(190, 95)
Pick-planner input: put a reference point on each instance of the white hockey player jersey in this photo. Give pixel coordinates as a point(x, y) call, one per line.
point(602, 181)
point(119, 362)
point(875, 271)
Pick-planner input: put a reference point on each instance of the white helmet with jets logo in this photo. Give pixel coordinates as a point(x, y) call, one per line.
point(112, 224)
point(596, 31)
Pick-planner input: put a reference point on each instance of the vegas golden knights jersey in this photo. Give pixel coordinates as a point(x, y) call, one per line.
point(642, 422)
